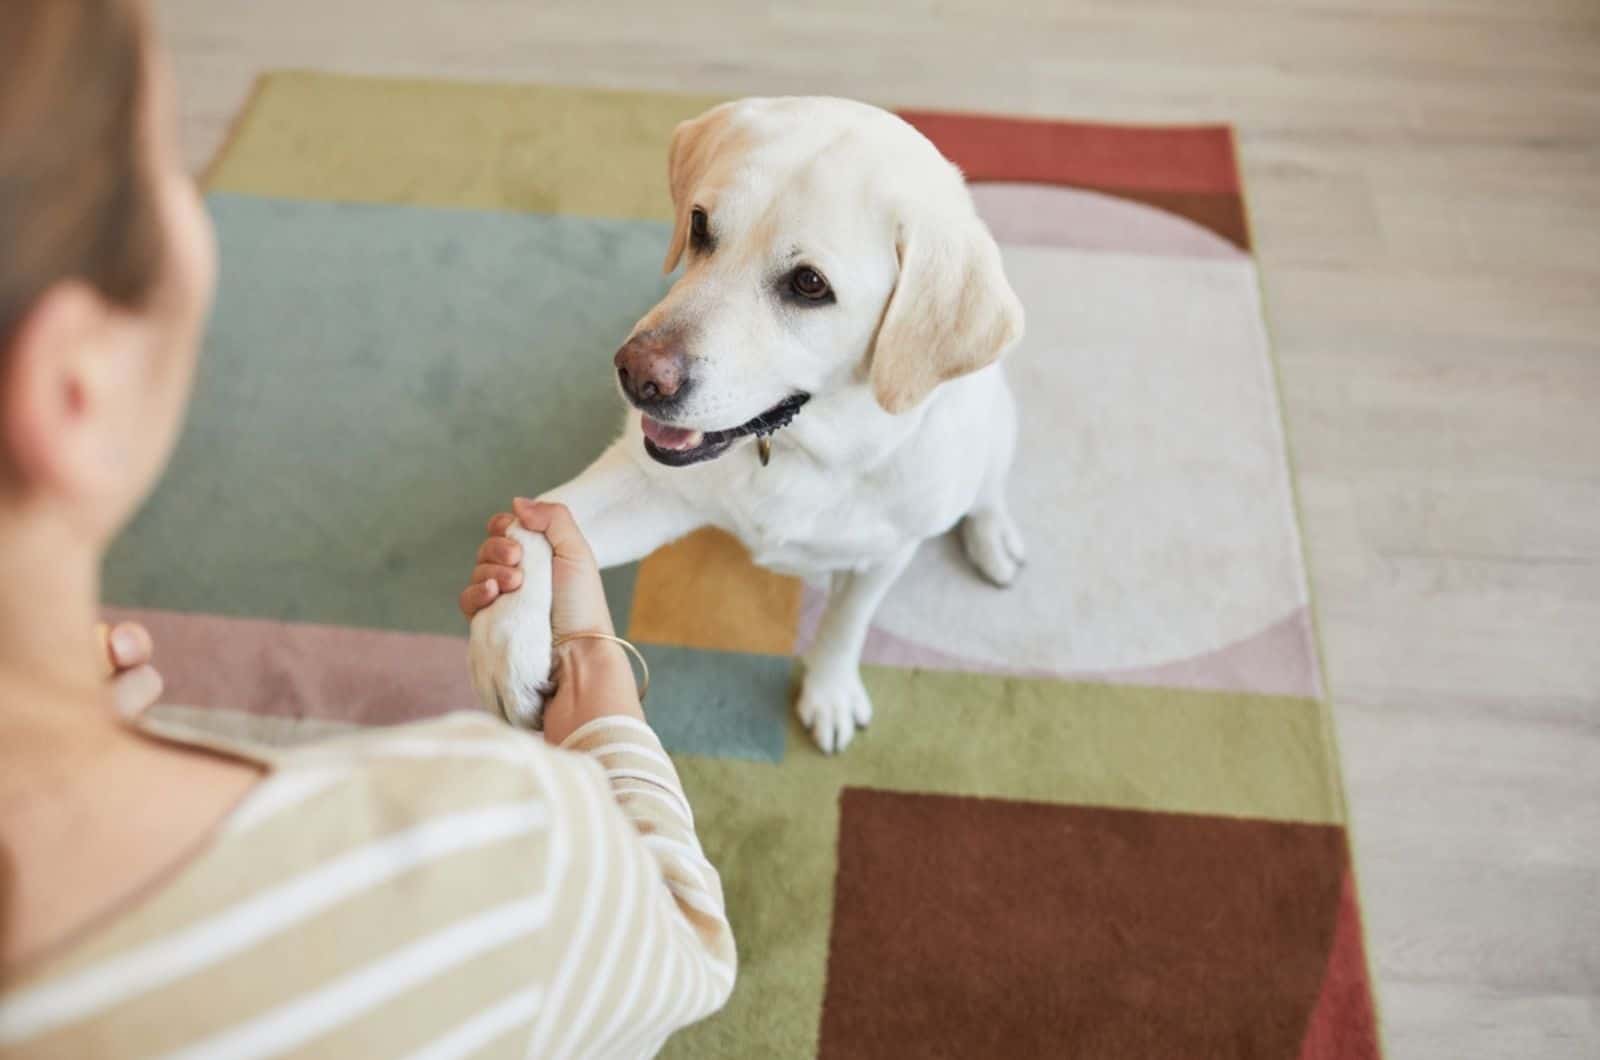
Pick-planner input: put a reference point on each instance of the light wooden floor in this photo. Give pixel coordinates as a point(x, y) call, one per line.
point(1424, 178)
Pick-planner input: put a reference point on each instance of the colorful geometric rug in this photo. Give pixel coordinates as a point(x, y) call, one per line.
point(1098, 814)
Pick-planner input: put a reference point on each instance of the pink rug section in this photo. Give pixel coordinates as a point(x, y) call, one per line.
point(1280, 660)
point(1042, 215)
point(304, 670)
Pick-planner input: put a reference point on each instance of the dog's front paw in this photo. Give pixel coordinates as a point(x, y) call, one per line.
point(510, 648)
point(833, 704)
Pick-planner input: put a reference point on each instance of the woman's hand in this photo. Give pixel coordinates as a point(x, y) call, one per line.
point(135, 684)
point(499, 568)
point(593, 676)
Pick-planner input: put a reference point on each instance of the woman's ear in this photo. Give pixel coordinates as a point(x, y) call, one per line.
point(694, 143)
point(952, 310)
point(50, 375)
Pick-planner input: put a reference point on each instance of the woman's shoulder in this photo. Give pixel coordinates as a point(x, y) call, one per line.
point(460, 736)
point(349, 854)
point(438, 765)
point(317, 799)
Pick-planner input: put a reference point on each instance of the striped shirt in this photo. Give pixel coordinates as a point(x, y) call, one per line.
point(447, 889)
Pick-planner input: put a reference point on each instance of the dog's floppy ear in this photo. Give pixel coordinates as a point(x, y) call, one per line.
point(694, 142)
point(952, 310)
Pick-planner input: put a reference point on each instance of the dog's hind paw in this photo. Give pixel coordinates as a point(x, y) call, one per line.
point(993, 544)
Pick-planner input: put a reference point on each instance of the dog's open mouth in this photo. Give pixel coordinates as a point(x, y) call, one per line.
point(680, 447)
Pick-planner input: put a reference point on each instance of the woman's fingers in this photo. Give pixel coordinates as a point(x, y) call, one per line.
point(578, 598)
point(127, 645)
point(498, 567)
point(501, 550)
point(555, 522)
point(476, 597)
point(135, 690)
point(508, 578)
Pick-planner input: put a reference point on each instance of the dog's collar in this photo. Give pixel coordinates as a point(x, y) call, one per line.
point(774, 420)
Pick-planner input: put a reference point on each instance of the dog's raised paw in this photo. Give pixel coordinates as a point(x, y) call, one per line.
point(510, 651)
point(833, 706)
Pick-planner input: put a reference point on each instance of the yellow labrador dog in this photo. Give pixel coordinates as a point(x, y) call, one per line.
point(842, 311)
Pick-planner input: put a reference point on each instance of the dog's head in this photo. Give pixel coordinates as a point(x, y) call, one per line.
point(826, 244)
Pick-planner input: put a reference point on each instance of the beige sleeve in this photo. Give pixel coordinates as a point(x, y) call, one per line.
point(646, 930)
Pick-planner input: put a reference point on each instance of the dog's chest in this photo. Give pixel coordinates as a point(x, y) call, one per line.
point(805, 523)
point(806, 551)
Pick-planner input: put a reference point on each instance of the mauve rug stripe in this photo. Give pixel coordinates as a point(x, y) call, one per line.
point(306, 670)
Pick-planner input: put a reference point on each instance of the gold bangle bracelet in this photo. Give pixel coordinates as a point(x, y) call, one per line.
point(644, 667)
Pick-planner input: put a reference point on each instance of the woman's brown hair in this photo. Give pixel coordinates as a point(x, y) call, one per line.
point(76, 199)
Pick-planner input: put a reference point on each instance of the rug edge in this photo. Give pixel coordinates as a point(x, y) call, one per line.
point(1333, 752)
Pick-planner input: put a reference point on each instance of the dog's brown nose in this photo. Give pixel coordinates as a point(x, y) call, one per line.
point(652, 367)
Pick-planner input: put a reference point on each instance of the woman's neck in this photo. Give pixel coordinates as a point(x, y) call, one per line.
point(91, 814)
point(52, 669)
point(57, 730)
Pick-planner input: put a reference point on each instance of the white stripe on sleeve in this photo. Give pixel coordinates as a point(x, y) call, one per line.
point(470, 1036)
point(596, 872)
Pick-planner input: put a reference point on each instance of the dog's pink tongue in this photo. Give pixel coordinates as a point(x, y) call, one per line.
point(670, 437)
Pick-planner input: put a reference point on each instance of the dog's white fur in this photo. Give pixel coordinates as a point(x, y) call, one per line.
point(910, 428)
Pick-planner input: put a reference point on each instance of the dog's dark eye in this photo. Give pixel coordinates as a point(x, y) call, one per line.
point(699, 228)
point(809, 284)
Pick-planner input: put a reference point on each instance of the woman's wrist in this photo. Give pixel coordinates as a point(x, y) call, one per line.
point(594, 680)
